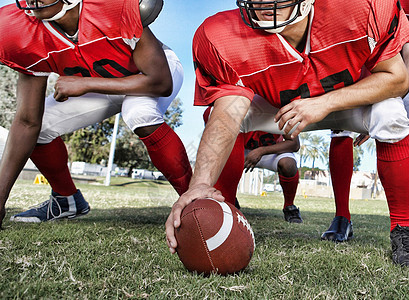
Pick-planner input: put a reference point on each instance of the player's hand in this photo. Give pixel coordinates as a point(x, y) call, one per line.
point(173, 221)
point(295, 116)
point(252, 158)
point(69, 86)
point(360, 139)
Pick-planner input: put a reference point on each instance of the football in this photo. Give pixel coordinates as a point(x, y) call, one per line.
point(214, 237)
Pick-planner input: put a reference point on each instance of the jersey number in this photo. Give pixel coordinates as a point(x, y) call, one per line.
point(100, 66)
point(328, 84)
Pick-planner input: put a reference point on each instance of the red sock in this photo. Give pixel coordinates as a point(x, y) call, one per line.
point(230, 177)
point(168, 155)
point(393, 168)
point(289, 185)
point(52, 161)
point(341, 164)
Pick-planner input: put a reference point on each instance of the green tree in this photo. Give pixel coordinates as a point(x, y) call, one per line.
point(8, 103)
point(305, 139)
point(8, 88)
point(317, 149)
point(131, 152)
point(90, 144)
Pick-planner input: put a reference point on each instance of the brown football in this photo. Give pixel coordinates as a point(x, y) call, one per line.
point(214, 237)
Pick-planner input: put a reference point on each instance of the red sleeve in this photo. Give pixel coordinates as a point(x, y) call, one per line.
point(215, 78)
point(131, 25)
point(388, 30)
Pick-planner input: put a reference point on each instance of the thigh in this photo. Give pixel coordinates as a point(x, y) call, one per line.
point(270, 161)
point(388, 121)
point(75, 113)
point(141, 111)
point(260, 117)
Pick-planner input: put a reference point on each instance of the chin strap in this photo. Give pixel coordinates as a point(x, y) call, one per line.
point(67, 5)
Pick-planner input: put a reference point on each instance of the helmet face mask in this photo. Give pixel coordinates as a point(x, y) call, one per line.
point(36, 5)
point(30, 8)
point(249, 8)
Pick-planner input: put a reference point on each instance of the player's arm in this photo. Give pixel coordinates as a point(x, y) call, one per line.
point(288, 145)
point(389, 79)
point(215, 147)
point(153, 80)
point(23, 132)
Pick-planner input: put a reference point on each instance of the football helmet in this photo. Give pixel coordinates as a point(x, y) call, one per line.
point(149, 10)
point(35, 4)
point(301, 9)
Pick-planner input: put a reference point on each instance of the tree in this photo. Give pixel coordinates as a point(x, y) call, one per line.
point(90, 144)
point(8, 88)
point(317, 149)
point(305, 139)
point(8, 103)
point(131, 152)
point(357, 154)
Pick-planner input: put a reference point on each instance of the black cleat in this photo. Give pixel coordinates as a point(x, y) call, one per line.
point(400, 245)
point(292, 214)
point(339, 231)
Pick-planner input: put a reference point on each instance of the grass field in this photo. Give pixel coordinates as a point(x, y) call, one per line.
point(118, 251)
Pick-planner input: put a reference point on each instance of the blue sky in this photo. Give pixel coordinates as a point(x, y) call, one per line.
point(175, 27)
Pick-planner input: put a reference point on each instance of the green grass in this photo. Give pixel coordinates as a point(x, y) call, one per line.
point(118, 251)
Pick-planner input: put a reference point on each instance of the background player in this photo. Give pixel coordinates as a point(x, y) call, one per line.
point(262, 150)
point(312, 71)
point(275, 152)
point(109, 63)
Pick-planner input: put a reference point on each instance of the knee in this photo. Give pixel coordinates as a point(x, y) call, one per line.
point(287, 167)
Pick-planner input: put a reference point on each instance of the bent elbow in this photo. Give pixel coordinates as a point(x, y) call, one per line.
point(165, 89)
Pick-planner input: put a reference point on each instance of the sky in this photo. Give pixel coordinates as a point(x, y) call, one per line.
point(175, 27)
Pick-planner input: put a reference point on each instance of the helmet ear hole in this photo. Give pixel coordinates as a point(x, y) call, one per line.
point(149, 10)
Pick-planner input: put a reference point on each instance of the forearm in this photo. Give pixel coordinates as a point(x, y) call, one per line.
point(218, 138)
point(20, 143)
point(138, 85)
point(389, 79)
point(282, 147)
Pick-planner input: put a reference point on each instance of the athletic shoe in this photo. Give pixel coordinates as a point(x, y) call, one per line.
point(339, 231)
point(400, 245)
point(57, 207)
point(292, 214)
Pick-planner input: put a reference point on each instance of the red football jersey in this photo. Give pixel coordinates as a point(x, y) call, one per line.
point(255, 139)
point(233, 59)
point(405, 6)
point(108, 31)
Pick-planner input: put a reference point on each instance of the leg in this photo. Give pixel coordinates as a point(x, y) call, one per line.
point(51, 158)
point(144, 116)
point(230, 177)
point(286, 166)
point(168, 154)
point(341, 168)
point(289, 176)
point(393, 166)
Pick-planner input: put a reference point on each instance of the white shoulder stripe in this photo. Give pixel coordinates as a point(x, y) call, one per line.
point(221, 236)
point(340, 43)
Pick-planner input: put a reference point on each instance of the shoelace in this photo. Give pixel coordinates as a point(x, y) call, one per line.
point(50, 207)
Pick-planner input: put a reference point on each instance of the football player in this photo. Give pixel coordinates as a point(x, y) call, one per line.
point(304, 59)
point(109, 62)
point(267, 151)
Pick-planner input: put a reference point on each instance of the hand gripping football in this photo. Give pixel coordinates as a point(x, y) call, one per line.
point(214, 237)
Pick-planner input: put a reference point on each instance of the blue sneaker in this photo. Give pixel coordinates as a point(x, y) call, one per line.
point(57, 207)
point(339, 231)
